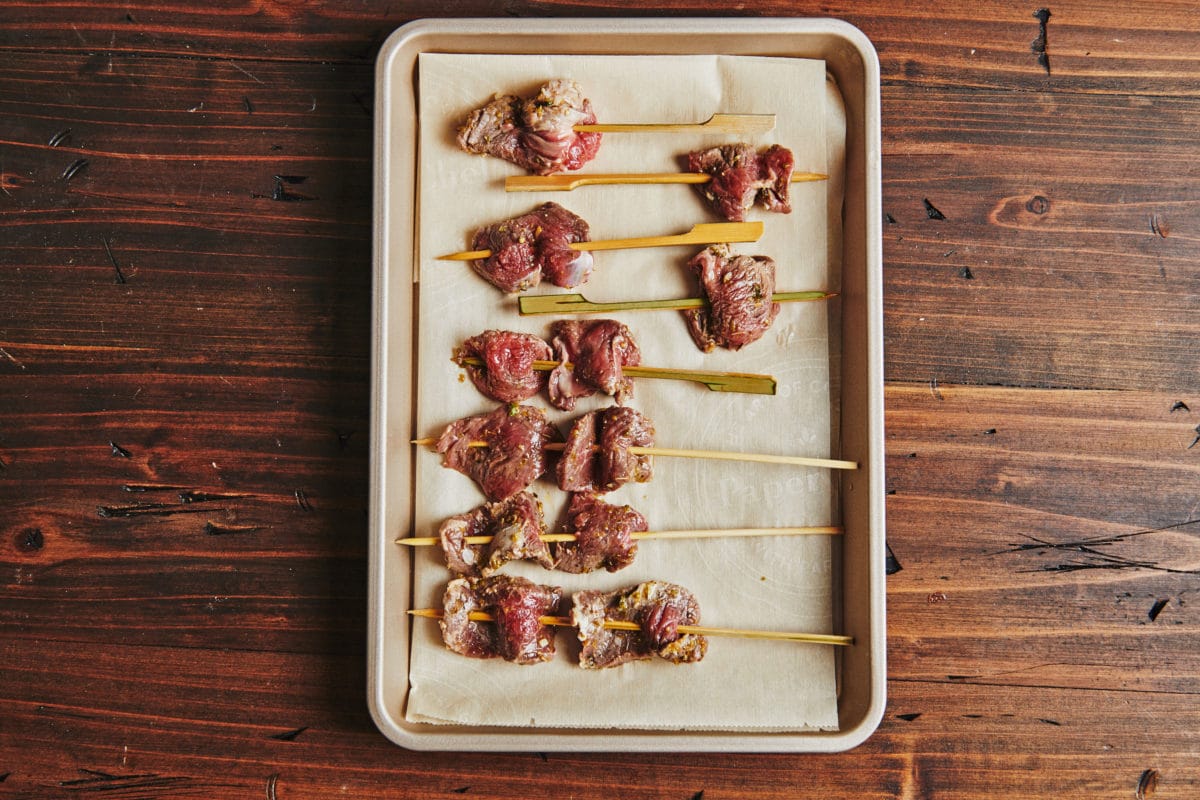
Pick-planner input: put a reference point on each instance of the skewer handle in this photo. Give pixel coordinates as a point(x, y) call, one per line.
point(717, 123)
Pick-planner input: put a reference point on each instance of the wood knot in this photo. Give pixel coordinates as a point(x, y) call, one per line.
point(1037, 205)
point(30, 540)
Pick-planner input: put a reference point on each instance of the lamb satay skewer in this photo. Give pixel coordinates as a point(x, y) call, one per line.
point(698, 630)
point(566, 183)
point(699, 533)
point(700, 233)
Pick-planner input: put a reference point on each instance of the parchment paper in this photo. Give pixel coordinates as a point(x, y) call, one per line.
point(778, 583)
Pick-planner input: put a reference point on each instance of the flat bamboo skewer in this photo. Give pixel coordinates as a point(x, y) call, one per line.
point(700, 630)
point(565, 182)
point(720, 455)
point(701, 233)
point(717, 123)
point(741, 382)
point(709, 533)
point(573, 303)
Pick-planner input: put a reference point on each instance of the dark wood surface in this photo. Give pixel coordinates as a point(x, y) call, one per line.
point(185, 222)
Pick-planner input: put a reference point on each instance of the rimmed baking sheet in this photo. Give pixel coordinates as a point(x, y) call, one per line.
point(401, 657)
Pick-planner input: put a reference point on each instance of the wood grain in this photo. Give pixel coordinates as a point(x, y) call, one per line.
point(185, 371)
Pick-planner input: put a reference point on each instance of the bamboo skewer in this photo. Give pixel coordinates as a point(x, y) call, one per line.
point(566, 182)
point(717, 123)
point(701, 233)
point(741, 382)
point(700, 630)
point(711, 533)
point(573, 303)
point(721, 455)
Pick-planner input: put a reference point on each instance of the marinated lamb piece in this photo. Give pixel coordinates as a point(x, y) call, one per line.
point(597, 458)
point(602, 535)
point(516, 605)
point(597, 350)
point(516, 528)
point(742, 177)
point(507, 374)
point(535, 133)
point(658, 607)
point(739, 291)
point(532, 246)
point(514, 456)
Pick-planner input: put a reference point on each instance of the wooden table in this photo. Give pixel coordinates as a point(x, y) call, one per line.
point(184, 368)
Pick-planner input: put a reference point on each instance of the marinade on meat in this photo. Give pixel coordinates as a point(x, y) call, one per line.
point(516, 527)
point(527, 248)
point(507, 374)
point(536, 133)
point(602, 535)
point(597, 457)
point(516, 605)
point(597, 351)
point(739, 291)
point(658, 608)
point(513, 456)
point(742, 177)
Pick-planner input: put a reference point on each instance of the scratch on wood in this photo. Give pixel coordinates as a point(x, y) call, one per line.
point(1179, 406)
point(1147, 784)
point(117, 450)
point(151, 487)
point(113, 260)
point(1197, 439)
point(289, 736)
point(1053, 722)
point(1092, 558)
point(76, 166)
point(934, 390)
point(966, 274)
point(302, 500)
point(11, 358)
point(1157, 608)
point(461, 790)
point(1038, 45)
point(909, 717)
point(1159, 227)
point(931, 211)
point(272, 782)
point(151, 510)
point(59, 137)
point(213, 529)
point(245, 72)
point(249, 106)
point(193, 496)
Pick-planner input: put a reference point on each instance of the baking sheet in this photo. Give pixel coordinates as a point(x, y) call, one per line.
point(776, 583)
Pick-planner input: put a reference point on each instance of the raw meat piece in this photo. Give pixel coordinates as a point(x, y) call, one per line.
point(516, 437)
point(597, 457)
point(516, 605)
point(741, 177)
point(516, 528)
point(602, 535)
point(528, 247)
point(536, 134)
point(507, 374)
point(739, 291)
point(597, 350)
point(657, 607)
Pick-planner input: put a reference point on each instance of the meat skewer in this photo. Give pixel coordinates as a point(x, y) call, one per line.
point(598, 355)
point(574, 303)
point(567, 183)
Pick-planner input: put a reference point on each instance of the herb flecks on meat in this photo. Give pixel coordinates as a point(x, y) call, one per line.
point(516, 527)
point(527, 248)
point(513, 456)
point(658, 607)
point(602, 535)
point(597, 455)
point(536, 133)
point(507, 374)
point(739, 290)
point(516, 605)
point(741, 177)
point(597, 350)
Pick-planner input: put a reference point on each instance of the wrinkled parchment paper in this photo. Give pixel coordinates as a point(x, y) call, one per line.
point(776, 583)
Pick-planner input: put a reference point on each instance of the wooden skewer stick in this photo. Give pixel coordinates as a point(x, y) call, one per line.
point(741, 382)
point(710, 533)
point(701, 233)
point(565, 182)
point(572, 303)
point(721, 455)
point(717, 123)
point(700, 630)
